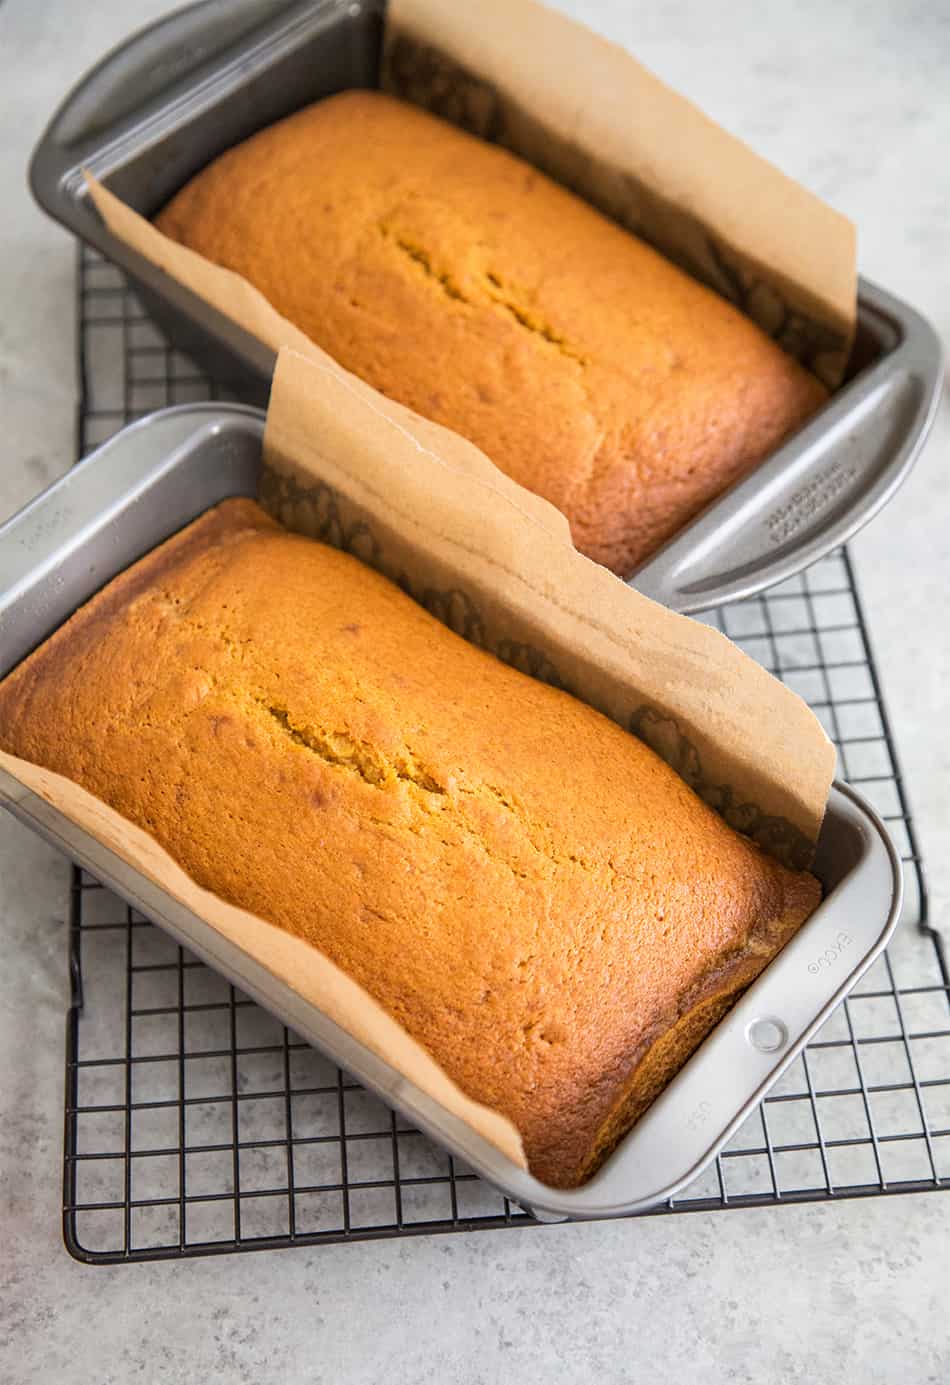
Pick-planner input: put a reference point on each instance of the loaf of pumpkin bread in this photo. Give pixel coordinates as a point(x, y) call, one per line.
point(528, 889)
point(459, 280)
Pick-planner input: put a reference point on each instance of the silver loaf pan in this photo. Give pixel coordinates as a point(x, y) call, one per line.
point(160, 107)
point(156, 476)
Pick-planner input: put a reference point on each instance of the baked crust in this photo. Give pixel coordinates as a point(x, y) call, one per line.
point(460, 281)
point(527, 888)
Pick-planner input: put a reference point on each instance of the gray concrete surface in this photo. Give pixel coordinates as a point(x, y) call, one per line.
point(852, 99)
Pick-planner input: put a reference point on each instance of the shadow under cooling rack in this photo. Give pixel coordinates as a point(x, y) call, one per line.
point(196, 1123)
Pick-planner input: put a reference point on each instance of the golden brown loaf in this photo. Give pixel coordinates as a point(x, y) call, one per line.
point(460, 281)
point(531, 891)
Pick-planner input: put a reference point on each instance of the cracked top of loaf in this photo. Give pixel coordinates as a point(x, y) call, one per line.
point(526, 887)
point(460, 281)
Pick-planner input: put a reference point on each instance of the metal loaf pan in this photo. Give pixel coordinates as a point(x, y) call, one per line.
point(156, 476)
point(160, 107)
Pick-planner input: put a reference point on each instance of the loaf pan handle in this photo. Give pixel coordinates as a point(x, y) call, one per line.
point(135, 79)
point(44, 577)
point(822, 486)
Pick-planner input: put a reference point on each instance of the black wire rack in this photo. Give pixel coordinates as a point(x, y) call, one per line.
point(196, 1123)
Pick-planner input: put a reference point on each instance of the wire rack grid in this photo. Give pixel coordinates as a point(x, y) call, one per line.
point(196, 1123)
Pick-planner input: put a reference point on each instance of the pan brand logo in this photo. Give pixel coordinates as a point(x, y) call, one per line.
point(831, 954)
point(810, 500)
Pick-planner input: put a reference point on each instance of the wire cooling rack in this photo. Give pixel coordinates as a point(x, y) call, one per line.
point(196, 1123)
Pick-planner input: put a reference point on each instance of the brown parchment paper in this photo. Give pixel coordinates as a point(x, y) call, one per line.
point(495, 563)
point(584, 111)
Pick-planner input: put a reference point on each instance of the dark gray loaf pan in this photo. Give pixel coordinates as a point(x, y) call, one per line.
point(161, 106)
point(156, 476)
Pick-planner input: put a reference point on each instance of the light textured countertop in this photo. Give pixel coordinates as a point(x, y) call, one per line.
point(851, 99)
